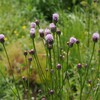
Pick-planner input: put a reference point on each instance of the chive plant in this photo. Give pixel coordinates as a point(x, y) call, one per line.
point(56, 79)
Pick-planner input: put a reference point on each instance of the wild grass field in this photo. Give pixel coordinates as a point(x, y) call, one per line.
point(49, 50)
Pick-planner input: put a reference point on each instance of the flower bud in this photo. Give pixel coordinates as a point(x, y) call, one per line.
point(58, 66)
point(79, 66)
point(55, 17)
point(73, 40)
point(51, 92)
point(33, 25)
point(30, 59)
point(32, 52)
point(25, 53)
point(2, 38)
point(95, 37)
point(37, 22)
point(47, 31)
point(49, 38)
point(58, 32)
point(52, 27)
point(32, 33)
point(41, 32)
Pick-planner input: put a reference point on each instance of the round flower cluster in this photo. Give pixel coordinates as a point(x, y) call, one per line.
point(2, 38)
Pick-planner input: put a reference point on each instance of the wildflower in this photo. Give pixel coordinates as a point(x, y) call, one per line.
point(79, 66)
point(41, 32)
point(32, 32)
point(33, 25)
point(95, 37)
point(31, 52)
point(30, 59)
point(55, 17)
point(2, 38)
point(58, 32)
point(49, 38)
point(73, 40)
point(51, 92)
point(58, 66)
point(25, 53)
point(37, 22)
point(52, 27)
point(47, 31)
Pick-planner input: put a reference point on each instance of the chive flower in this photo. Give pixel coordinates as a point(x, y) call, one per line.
point(25, 53)
point(95, 37)
point(32, 52)
point(58, 32)
point(2, 38)
point(52, 27)
point(37, 22)
point(33, 25)
point(59, 66)
point(55, 17)
point(49, 38)
point(79, 66)
point(73, 40)
point(41, 32)
point(47, 31)
point(32, 32)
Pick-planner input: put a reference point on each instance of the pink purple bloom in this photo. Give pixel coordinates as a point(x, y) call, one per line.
point(2, 38)
point(73, 40)
point(47, 31)
point(49, 38)
point(41, 32)
point(59, 66)
point(95, 37)
point(58, 32)
point(33, 25)
point(52, 27)
point(32, 32)
point(79, 65)
point(37, 22)
point(55, 17)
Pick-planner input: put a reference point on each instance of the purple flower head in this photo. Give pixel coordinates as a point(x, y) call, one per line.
point(2, 38)
point(51, 92)
point(47, 31)
point(32, 52)
point(37, 22)
point(30, 59)
point(58, 32)
point(59, 66)
point(79, 66)
point(73, 40)
point(32, 32)
point(41, 32)
point(33, 25)
point(52, 27)
point(95, 37)
point(55, 17)
point(49, 38)
point(25, 53)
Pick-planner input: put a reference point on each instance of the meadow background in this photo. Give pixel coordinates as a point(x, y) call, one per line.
point(76, 18)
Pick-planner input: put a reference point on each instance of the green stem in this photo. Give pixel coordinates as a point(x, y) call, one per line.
point(89, 64)
point(10, 67)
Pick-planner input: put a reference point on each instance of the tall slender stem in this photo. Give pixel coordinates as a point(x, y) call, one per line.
point(10, 67)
